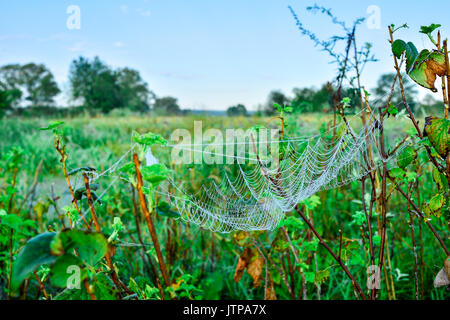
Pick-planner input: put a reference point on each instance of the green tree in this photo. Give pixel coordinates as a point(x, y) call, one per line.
point(9, 96)
point(133, 90)
point(94, 83)
point(384, 87)
point(101, 88)
point(275, 96)
point(34, 82)
point(166, 106)
point(39, 83)
point(8, 99)
point(311, 100)
point(10, 76)
point(237, 110)
point(430, 106)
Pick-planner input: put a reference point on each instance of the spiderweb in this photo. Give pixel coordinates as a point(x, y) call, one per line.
point(257, 196)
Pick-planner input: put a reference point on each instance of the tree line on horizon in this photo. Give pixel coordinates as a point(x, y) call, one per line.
point(97, 88)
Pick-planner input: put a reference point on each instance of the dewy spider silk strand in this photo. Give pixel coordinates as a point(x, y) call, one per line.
point(257, 197)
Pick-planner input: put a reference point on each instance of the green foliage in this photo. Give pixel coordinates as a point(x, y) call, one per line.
point(103, 89)
point(384, 87)
point(59, 274)
point(82, 169)
point(406, 157)
point(438, 132)
point(36, 252)
point(155, 174)
point(428, 30)
point(51, 247)
point(90, 246)
point(117, 227)
point(425, 66)
point(275, 98)
point(34, 82)
point(166, 106)
point(238, 110)
point(53, 126)
point(433, 208)
point(392, 110)
point(164, 210)
point(148, 139)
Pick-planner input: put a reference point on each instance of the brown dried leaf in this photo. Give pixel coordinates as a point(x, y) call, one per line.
point(254, 269)
point(270, 292)
point(251, 261)
point(433, 70)
point(244, 259)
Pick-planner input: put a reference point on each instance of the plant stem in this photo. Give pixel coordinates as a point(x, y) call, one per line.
point(323, 243)
point(41, 285)
point(419, 212)
point(114, 276)
point(149, 221)
point(63, 154)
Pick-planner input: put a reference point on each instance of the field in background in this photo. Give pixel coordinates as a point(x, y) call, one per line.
point(201, 262)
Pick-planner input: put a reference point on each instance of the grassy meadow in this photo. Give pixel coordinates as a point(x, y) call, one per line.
point(202, 264)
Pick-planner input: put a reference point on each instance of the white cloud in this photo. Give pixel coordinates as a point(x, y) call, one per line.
point(119, 44)
point(176, 75)
point(77, 47)
point(145, 13)
point(124, 8)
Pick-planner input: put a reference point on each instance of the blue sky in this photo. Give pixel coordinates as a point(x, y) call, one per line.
point(210, 54)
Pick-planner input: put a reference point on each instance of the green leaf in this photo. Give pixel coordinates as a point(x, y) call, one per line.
point(35, 253)
point(427, 67)
point(91, 246)
point(322, 276)
point(155, 173)
point(291, 223)
point(148, 139)
point(128, 168)
point(429, 29)
point(411, 55)
point(392, 110)
point(117, 228)
point(12, 221)
point(438, 132)
point(376, 239)
point(440, 180)
point(59, 272)
point(164, 209)
point(398, 47)
point(52, 125)
point(346, 102)
point(279, 108)
point(80, 192)
point(408, 155)
point(433, 208)
point(84, 169)
point(397, 173)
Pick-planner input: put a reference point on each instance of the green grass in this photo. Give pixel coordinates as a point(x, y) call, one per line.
point(200, 262)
